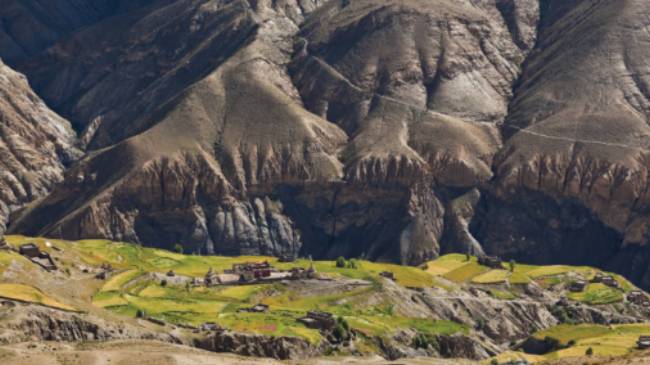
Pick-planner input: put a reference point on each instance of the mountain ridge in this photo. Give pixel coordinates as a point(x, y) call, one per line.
point(385, 129)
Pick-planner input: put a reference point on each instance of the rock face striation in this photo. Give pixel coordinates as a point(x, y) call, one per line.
point(392, 130)
point(35, 144)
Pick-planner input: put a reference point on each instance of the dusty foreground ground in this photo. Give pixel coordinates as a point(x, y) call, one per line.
point(155, 353)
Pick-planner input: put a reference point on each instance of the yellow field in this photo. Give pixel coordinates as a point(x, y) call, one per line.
point(604, 341)
point(465, 272)
point(117, 281)
point(30, 294)
point(446, 263)
point(492, 277)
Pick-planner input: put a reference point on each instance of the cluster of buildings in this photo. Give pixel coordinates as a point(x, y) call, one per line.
point(106, 272)
point(639, 298)
point(254, 272)
point(579, 285)
point(606, 279)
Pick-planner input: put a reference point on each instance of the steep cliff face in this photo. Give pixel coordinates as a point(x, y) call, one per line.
point(35, 143)
point(577, 133)
point(389, 129)
point(223, 155)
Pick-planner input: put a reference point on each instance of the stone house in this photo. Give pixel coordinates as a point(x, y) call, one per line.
point(643, 343)
point(34, 254)
point(490, 261)
point(639, 298)
point(287, 258)
point(259, 308)
point(577, 286)
point(319, 320)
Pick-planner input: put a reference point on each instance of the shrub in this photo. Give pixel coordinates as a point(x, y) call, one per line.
point(589, 352)
point(340, 262)
point(178, 248)
point(571, 343)
point(424, 341)
point(352, 264)
point(494, 362)
point(163, 283)
point(480, 324)
point(140, 314)
point(341, 331)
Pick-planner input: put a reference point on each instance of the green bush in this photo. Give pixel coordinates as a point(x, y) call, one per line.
point(178, 248)
point(571, 343)
point(589, 352)
point(424, 341)
point(340, 262)
point(341, 331)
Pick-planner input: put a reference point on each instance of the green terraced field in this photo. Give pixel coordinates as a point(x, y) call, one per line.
point(598, 294)
point(134, 288)
point(458, 269)
point(616, 340)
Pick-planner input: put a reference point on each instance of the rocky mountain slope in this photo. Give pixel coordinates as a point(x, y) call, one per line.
point(393, 130)
point(35, 144)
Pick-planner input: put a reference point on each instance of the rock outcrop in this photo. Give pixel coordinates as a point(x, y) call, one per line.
point(35, 144)
point(23, 323)
point(282, 348)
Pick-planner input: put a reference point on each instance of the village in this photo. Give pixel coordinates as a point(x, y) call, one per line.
point(251, 273)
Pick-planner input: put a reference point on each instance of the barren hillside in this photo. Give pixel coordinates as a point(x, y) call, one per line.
point(392, 130)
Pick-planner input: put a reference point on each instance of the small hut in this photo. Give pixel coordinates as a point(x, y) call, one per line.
point(493, 262)
point(643, 343)
point(319, 320)
point(577, 286)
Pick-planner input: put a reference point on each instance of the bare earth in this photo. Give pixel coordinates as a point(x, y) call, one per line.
point(156, 353)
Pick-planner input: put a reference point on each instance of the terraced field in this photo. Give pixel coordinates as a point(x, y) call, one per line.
point(25, 293)
point(604, 341)
point(136, 289)
point(458, 269)
point(356, 295)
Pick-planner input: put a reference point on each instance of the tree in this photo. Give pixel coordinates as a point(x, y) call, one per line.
point(178, 248)
point(340, 262)
point(341, 331)
point(512, 265)
point(352, 264)
point(589, 352)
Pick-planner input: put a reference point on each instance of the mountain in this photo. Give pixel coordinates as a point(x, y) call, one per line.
point(390, 130)
point(35, 144)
